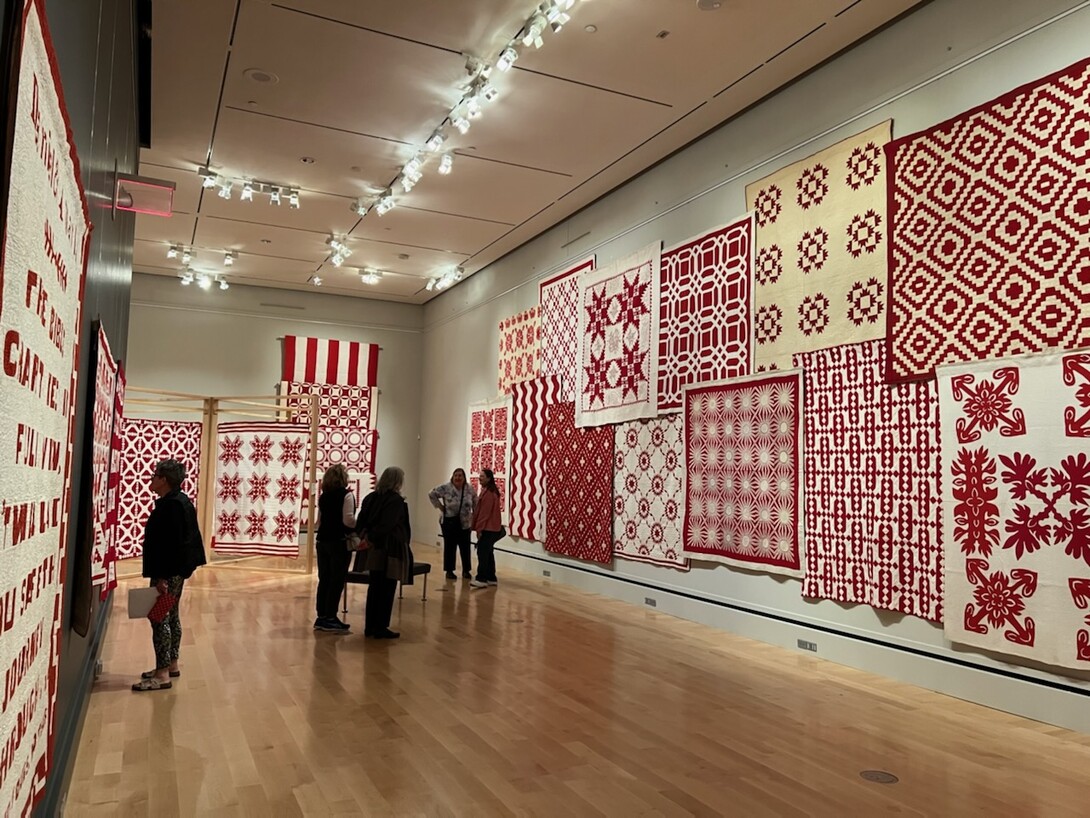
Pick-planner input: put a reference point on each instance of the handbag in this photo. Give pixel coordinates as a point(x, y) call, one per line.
point(163, 606)
point(503, 533)
point(357, 542)
point(141, 601)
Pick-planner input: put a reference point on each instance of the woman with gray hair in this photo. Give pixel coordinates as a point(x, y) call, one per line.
point(384, 520)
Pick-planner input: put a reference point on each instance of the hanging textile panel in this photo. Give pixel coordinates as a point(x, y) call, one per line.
point(705, 311)
point(1016, 506)
point(578, 487)
point(488, 438)
point(520, 348)
point(820, 268)
point(326, 360)
point(144, 444)
point(354, 448)
point(559, 302)
point(102, 417)
point(341, 405)
point(260, 474)
point(871, 470)
point(529, 402)
point(648, 491)
point(742, 502)
point(113, 484)
point(989, 247)
point(617, 375)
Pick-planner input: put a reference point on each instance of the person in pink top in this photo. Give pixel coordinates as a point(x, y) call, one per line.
point(486, 522)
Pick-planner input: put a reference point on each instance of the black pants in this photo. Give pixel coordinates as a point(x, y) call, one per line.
point(486, 555)
point(380, 603)
point(333, 561)
point(455, 539)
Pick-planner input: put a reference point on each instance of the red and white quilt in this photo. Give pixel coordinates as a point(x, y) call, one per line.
point(529, 401)
point(260, 476)
point(102, 418)
point(742, 465)
point(648, 487)
point(559, 301)
point(705, 311)
point(617, 376)
point(1016, 506)
point(354, 448)
point(327, 360)
point(488, 439)
point(145, 443)
point(820, 269)
point(989, 232)
point(578, 487)
point(520, 348)
point(355, 407)
point(113, 483)
point(871, 466)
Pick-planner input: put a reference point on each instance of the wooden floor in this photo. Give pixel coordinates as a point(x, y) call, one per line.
point(531, 699)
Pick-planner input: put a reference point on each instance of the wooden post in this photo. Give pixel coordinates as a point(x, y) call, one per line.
point(314, 488)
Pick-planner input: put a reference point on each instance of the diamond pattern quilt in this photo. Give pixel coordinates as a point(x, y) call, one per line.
point(488, 439)
point(821, 265)
point(871, 467)
point(113, 483)
point(989, 243)
point(578, 487)
point(520, 348)
point(617, 377)
point(260, 476)
point(145, 443)
point(338, 405)
point(742, 502)
point(1016, 506)
point(529, 401)
point(559, 301)
point(102, 418)
point(648, 487)
point(705, 311)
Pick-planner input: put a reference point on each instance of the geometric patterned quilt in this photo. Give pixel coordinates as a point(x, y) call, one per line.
point(102, 418)
point(354, 448)
point(488, 442)
point(742, 493)
point(1016, 505)
point(520, 347)
point(529, 400)
point(578, 486)
point(648, 487)
point(871, 468)
point(559, 300)
point(260, 470)
point(113, 485)
point(618, 316)
point(989, 244)
point(706, 295)
point(338, 405)
point(820, 267)
point(145, 443)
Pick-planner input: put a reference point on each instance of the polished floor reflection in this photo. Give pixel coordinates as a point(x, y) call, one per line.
point(531, 699)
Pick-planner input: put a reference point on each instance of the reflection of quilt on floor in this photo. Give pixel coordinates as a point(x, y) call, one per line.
point(260, 473)
point(1015, 455)
point(145, 443)
point(871, 466)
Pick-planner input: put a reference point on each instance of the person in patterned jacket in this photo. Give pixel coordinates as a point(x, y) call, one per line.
point(457, 501)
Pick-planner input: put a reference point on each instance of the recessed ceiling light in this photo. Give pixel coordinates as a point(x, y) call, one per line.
point(709, 5)
point(590, 29)
point(261, 75)
point(403, 256)
point(266, 241)
point(356, 169)
point(307, 160)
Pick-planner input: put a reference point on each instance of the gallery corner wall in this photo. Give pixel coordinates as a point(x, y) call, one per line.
point(935, 63)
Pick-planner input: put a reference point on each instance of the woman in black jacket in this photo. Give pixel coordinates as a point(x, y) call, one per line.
point(384, 520)
point(336, 516)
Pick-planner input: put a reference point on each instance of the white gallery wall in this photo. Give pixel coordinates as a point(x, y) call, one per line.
point(933, 64)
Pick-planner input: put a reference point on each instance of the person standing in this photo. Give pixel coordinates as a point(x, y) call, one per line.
point(336, 517)
point(457, 501)
point(384, 520)
point(173, 549)
point(486, 522)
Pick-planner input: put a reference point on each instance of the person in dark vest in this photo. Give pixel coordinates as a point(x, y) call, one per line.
point(384, 520)
point(173, 550)
point(336, 517)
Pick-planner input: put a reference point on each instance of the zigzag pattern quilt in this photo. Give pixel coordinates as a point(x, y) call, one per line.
point(559, 301)
point(529, 402)
point(520, 348)
point(871, 468)
point(989, 232)
point(821, 266)
point(1016, 506)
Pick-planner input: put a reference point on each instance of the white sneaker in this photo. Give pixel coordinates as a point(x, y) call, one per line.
point(477, 584)
point(491, 582)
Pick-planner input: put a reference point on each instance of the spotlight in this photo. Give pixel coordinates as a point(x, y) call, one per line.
point(461, 123)
point(225, 188)
point(247, 194)
point(446, 163)
point(316, 281)
point(473, 107)
point(489, 92)
point(186, 278)
point(203, 281)
point(187, 256)
point(407, 183)
point(208, 178)
point(369, 276)
point(412, 167)
point(507, 58)
point(293, 199)
point(534, 29)
point(274, 196)
point(360, 207)
point(229, 258)
point(172, 251)
point(429, 286)
point(435, 141)
point(223, 283)
point(386, 202)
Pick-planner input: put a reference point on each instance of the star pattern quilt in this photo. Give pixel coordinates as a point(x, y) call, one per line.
point(529, 402)
point(742, 460)
point(578, 487)
point(145, 443)
point(354, 407)
point(989, 232)
point(520, 348)
point(102, 418)
point(821, 267)
point(617, 377)
point(871, 467)
point(648, 487)
point(1016, 506)
point(705, 311)
point(559, 301)
point(260, 477)
point(488, 438)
